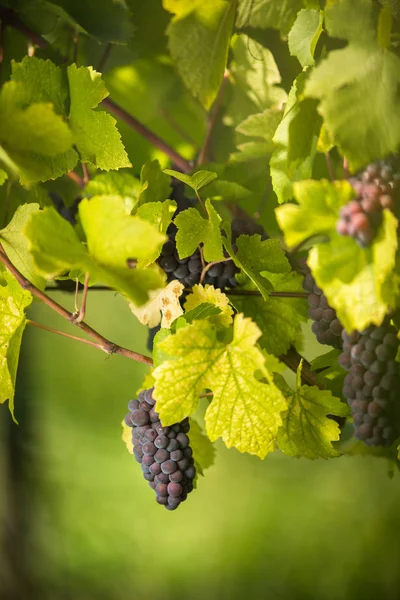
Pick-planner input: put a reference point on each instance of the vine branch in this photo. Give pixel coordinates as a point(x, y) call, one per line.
point(102, 342)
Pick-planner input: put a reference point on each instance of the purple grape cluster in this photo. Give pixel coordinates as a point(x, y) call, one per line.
point(377, 187)
point(326, 326)
point(164, 453)
point(372, 385)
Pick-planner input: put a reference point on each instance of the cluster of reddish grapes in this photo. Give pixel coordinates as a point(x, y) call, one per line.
point(372, 385)
point(377, 187)
point(164, 453)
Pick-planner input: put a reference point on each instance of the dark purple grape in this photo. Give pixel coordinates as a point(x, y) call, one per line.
point(374, 380)
point(164, 453)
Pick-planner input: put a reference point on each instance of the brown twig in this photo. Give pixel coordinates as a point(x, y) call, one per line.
point(211, 264)
point(274, 294)
point(102, 342)
point(76, 179)
point(58, 332)
point(346, 172)
point(104, 57)
point(9, 17)
point(292, 360)
point(329, 166)
point(80, 315)
point(86, 176)
point(156, 141)
point(212, 120)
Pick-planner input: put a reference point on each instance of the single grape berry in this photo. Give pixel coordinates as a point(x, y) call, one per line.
point(164, 453)
point(372, 385)
point(377, 187)
point(326, 326)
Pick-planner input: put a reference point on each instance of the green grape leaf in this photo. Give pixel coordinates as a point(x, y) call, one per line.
point(113, 235)
point(329, 372)
point(159, 356)
point(230, 191)
point(202, 311)
point(359, 283)
point(304, 35)
point(196, 181)
point(34, 137)
point(44, 82)
point(16, 245)
point(255, 256)
point(266, 14)
point(262, 125)
point(245, 412)
point(155, 184)
point(296, 141)
point(198, 39)
point(306, 429)
point(107, 21)
point(95, 134)
point(112, 238)
point(356, 86)
point(121, 183)
point(323, 200)
point(194, 230)
point(203, 448)
point(159, 214)
point(13, 301)
point(255, 75)
point(201, 295)
point(340, 18)
point(279, 319)
point(3, 176)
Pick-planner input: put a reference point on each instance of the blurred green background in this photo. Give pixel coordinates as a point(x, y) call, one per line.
point(79, 521)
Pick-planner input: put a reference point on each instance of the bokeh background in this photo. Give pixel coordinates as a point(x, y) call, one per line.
point(79, 522)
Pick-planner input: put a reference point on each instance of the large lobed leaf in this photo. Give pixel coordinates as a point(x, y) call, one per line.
point(199, 37)
point(244, 411)
point(307, 430)
point(358, 86)
point(113, 237)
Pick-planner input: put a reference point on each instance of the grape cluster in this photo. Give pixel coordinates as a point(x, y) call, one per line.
point(326, 326)
point(377, 187)
point(164, 453)
point(372, 385)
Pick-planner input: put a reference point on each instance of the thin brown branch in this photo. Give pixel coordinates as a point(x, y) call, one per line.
point(292, 360)
point(156, 141)
point(276, 294)
point(104, 57)
point(67, 335)
point(346, 172)
point(211, 264)
point(76, 179)
point(86, 176)
point(9, 17)
point(103, 343)
point(82, 311)
point(329, 166)
point(212, 120)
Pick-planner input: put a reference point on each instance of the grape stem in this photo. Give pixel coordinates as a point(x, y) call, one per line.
point(80, 315)
point(102, 342)
point(104, 58)
point(211, 264)
point(329, 166)
point(77, 179)
point(11, 18)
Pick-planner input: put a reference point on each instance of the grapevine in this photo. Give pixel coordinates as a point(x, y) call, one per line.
point(185, 178)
